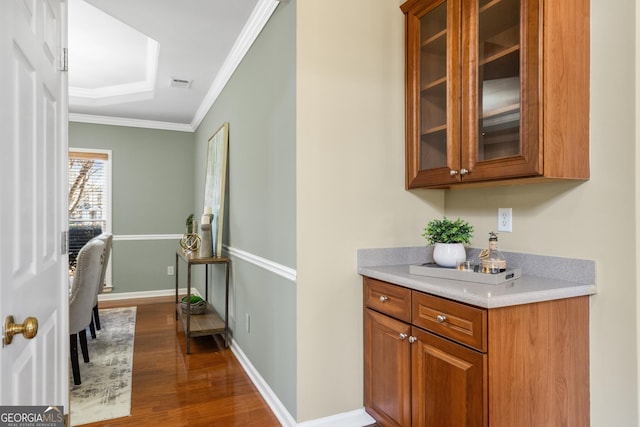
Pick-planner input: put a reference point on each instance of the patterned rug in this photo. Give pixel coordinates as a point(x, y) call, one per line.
point(105, 391)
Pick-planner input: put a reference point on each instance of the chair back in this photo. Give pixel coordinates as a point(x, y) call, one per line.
point(106, 238)
point(85, 284)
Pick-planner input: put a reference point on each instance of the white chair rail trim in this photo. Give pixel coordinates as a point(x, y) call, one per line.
point(124, 237)
point(266, 264)
point(275, 268)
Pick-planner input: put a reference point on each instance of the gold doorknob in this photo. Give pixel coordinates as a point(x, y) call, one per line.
point(28, 329)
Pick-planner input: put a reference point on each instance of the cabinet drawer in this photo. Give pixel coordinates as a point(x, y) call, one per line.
point(459, 322)
point(388, 299)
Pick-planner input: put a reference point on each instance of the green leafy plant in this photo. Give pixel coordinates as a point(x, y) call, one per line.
point(189, 223)
point(448, 231)
point(194, 299)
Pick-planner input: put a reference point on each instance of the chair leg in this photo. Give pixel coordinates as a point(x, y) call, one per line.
point(83, 345)
point(75, 367)
point(96, 316)
point(92, 329)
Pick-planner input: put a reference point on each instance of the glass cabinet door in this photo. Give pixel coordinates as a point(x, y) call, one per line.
point(498, 80)
point(433, 88)
point(433, 91)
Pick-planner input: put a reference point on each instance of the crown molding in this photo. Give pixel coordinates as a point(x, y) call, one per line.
point(256, 22)
point(258, 19)
point(136, 123)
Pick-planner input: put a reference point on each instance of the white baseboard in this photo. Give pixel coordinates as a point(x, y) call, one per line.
point(357, 418)
point(145, 294)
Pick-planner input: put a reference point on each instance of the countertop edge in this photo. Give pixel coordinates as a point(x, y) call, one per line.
point(458, 290)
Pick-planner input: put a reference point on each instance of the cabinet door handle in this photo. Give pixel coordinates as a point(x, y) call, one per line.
point(403, 336)
point(412, 339)
point(384, 298)
point(454, 172)
point(464, 171)
point(441, 318)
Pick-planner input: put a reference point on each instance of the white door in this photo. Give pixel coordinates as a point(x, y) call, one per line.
point(33, 148)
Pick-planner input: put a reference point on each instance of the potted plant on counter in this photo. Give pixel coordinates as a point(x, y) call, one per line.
point(448, 238)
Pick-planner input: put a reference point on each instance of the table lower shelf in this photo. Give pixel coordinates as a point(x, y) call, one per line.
point(208, 323)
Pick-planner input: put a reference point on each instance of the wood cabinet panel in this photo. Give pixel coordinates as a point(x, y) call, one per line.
point(387, 298)
point(387, 362)
point(449, 386)
point(531, 368)
point(540, 364)
point(496, 91)
point(453, 320)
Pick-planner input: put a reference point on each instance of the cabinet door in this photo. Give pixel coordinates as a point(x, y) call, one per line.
point(449, 383)
point(387, 363)
point(500, 109)
point(432, 91)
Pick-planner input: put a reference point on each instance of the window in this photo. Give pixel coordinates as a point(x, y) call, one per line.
point(89, 198)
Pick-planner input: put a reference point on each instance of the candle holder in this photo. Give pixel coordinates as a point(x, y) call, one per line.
point(206, 246)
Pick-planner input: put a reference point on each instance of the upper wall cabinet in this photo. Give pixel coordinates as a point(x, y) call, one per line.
point(496, 91)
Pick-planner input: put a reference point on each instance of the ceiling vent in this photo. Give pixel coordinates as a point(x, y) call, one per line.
point(180, 83)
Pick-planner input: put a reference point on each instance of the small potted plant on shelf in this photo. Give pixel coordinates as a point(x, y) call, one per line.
point(195, 303)
point(448, 238)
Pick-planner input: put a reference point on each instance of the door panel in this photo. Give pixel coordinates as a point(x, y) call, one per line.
point(387, 379)
point(449, 383)
point(33, 269)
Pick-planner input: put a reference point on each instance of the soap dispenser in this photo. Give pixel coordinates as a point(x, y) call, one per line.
point(492, 260)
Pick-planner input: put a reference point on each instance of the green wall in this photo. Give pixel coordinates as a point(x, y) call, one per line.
point(259, 104)
point(150, 171)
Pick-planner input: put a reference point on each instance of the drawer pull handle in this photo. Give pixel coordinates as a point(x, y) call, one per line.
point(441, 318)
point(384, 298)
point(403, 336)
point(412, 339)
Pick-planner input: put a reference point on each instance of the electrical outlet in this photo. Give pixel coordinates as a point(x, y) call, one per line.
point(246, 321)
point(505, 220)
point(170, 270)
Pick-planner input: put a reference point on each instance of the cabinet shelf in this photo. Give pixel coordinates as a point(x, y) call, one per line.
point(502, 54)
point(436, 43)
point(498, 15)
point(507, 111)
point(433, 84)
point(435, 129)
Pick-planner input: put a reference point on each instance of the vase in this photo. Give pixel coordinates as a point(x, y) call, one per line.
point(206, 247)
point(449, 254)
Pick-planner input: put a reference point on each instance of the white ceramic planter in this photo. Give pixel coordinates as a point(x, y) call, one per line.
point(449, 254)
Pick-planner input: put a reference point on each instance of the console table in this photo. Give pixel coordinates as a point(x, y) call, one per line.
point(208, 323)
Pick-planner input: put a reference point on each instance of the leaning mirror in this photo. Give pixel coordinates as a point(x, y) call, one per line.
point(215, 183)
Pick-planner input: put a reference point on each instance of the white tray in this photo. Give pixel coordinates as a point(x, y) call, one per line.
point(433, 270)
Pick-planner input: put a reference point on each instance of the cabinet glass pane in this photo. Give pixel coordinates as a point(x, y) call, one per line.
point(498, 79)
point(433, 88)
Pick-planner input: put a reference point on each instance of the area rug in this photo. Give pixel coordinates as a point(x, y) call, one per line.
point(105, 391)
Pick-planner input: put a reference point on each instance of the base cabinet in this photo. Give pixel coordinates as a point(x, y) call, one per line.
point(387, 365)
point(448, 383)
point(429, 361)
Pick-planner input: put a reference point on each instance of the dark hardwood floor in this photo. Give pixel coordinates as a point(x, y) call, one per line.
point(170, 388)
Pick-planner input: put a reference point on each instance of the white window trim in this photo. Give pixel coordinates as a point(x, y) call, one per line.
point(108, 197)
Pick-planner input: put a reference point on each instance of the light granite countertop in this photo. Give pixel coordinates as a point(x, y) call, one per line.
point(556, 278)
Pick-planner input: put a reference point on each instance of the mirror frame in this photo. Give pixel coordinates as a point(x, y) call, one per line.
point(215, 182)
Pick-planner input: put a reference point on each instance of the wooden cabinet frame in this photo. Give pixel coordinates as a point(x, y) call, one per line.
point(554, 96)
point(529, 369)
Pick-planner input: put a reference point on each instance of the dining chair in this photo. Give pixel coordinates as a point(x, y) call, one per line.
point(81, 300)
point(106, 238)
